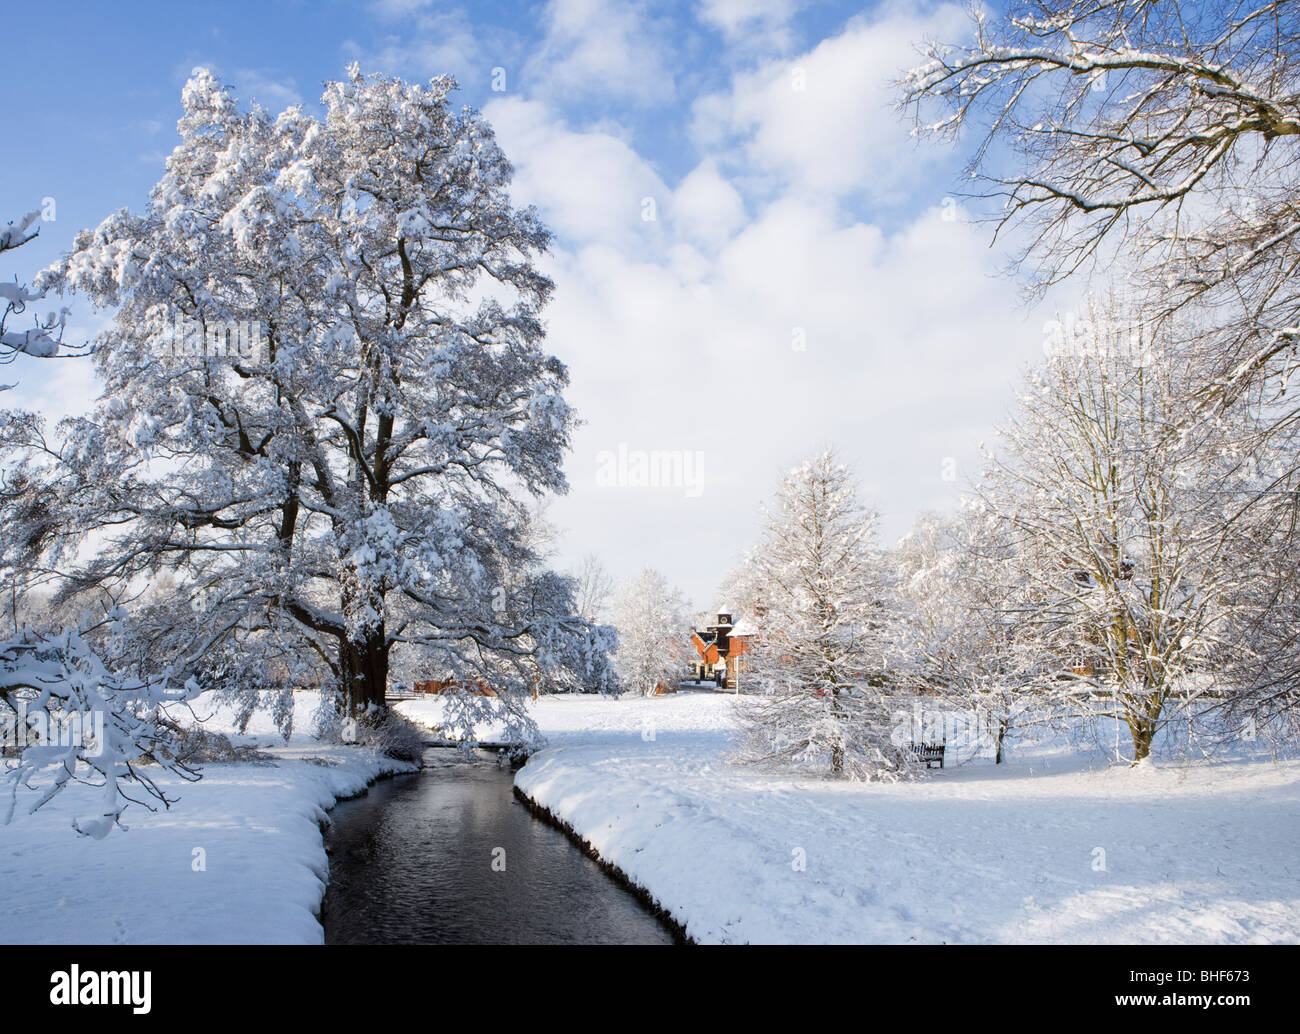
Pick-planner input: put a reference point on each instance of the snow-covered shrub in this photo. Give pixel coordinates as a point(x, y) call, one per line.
point(382, 728)
point(847, 733)
point(196, 745)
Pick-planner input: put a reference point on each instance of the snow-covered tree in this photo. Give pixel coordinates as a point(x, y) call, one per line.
point(595, 588)
point(1163, 131)
point(68, 716)
point(1264, 672)
point(1121, 503)
point(653, 629)
point(1162, 135)
point(819, 659)
point(967, 640)
point(326, 403)
point(1261, 674)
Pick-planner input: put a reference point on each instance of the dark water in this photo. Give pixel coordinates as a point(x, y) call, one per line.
point(411, 862)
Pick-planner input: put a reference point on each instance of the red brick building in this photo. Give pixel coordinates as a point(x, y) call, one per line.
point(476, 687)
point(721, 648)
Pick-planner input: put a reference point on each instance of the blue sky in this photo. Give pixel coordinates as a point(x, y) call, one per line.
point(808, 277)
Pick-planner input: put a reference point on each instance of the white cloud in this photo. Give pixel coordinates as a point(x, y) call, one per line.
point(753, 23)
point(426, 43)
point(589, 185)
point(70, 389)
point(602, 50)
point(910, 348)
point(825, 121)
point(685, 333)
point(706, 208)
point(394, 10)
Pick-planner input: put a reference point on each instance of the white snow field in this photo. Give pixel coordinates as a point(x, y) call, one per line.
point(1050, 847)
point(257, 826)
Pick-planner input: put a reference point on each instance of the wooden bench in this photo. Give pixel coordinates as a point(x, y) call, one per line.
point(927, 752)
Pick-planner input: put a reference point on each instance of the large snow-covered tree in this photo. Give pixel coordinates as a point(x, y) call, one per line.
point(651, 618)
point(326, 403)
point(1162, 135)
point(819, 659)
point(1122, 503)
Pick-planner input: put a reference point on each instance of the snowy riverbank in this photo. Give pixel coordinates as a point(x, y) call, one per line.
point(239, 859)
point(1052, 847)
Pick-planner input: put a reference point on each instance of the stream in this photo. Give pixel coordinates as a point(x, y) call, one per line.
point(449, 856)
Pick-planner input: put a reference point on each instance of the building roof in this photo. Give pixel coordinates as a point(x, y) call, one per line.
point(743, 627)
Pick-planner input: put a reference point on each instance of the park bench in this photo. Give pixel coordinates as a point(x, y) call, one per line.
point(927, 752)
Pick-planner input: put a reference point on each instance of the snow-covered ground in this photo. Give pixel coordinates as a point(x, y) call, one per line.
point(255, 828)
point(1053, 846)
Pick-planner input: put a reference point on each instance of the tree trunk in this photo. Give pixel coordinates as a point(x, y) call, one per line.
point(363, 670)
point(1001, 736)
point(1143, 733)
point(837, 751)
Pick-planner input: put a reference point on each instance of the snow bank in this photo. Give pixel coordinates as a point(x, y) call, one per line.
point(1052, 848)
point(238, 859)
